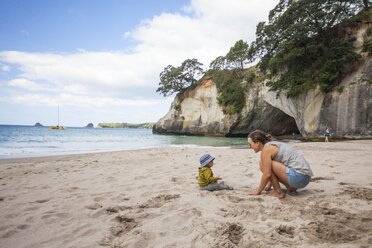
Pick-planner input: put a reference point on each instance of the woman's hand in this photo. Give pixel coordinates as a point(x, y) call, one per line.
point(254, 193)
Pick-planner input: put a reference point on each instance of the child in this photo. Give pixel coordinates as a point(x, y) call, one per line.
point(206, 180)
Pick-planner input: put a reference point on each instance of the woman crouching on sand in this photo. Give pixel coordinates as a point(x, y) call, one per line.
point(279, 163)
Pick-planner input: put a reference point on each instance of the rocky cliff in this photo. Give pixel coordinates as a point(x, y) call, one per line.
point(346, 110)
point(197, 112)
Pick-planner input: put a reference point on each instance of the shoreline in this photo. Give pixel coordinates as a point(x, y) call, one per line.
point(232, 146)
point(134, 149)
point(150, 197)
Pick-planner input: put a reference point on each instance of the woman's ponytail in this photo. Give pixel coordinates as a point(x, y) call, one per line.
point(268, 137)
point(260, 136)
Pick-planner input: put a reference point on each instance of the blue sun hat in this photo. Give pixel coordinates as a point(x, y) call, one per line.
point(205, 159)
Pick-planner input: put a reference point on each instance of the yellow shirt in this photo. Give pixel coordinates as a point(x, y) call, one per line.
point(206, 176)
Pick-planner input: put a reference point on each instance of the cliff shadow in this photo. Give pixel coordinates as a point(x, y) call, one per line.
point(266, 118)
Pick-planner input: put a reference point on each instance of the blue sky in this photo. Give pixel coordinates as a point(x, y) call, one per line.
point(100, 60)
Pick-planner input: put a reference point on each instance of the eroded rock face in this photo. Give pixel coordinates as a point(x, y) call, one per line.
point(196, 113)
point(259, 114)
point(199, 113)
point(346, 111)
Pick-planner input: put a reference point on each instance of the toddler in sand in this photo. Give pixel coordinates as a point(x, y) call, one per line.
point(206, 180)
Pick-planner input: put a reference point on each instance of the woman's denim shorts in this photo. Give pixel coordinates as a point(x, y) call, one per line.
point(297, 180)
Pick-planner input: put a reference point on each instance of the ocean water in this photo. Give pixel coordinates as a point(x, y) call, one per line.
point(31, 141)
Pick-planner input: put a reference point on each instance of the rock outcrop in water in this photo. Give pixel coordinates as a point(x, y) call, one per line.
point(346, 110)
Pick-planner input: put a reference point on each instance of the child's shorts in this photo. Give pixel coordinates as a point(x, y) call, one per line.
point(297, 180)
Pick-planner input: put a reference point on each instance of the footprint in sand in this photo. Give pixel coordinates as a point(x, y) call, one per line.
point(230, 235)
point(116, 209)
point(343, 183)
point(123, 225)
point(358, 193)
point(72, 189)
point(285, 230)
point(158, 201)
point(53, 215)
point(256, 199)
point(30, 219)
point(94, 206)
point(43, 200)
point(23, 227)
point(331, 232)
point(120, 198)
point(98, 199)
point(235, 199)
point(317, 179)
point(32, 208)
point(9, 234)
point(319, 190)
point(334, 225)
point(127, 223)
point(177, 180)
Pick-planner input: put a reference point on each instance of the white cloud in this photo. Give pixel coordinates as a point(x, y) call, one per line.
point(28, 85)
point(75, 100)
point(207, 29)
point(5, 68)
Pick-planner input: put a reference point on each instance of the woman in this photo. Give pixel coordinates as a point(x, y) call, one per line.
point(279, 163)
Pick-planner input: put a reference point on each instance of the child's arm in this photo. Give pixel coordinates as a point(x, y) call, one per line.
point(208, 175)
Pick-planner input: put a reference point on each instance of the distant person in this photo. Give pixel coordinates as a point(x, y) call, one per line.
point(293, 135)
point(206, 180)
point(279, 163)
point(326, 134)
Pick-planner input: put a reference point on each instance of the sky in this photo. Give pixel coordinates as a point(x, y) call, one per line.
point(99, 61)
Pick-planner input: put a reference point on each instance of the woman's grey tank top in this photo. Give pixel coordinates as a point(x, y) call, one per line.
point(291, 158)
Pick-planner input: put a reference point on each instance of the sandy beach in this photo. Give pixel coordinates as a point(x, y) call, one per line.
point(150, 198)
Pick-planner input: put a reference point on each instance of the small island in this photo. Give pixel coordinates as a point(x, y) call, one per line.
point(37, 124)
point(90, 125)
point(147, 125)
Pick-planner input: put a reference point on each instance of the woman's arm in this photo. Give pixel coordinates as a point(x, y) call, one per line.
point(266, 159)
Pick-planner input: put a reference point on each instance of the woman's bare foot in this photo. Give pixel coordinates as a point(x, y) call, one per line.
point(280, 195)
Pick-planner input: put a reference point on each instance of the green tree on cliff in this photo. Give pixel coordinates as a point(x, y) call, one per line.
point(177, 79)
point(219, 64)
point(239, 55)
point(305, 44)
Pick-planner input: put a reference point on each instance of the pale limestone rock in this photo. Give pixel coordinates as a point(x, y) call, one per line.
point(346, 110)
point(197, 113)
